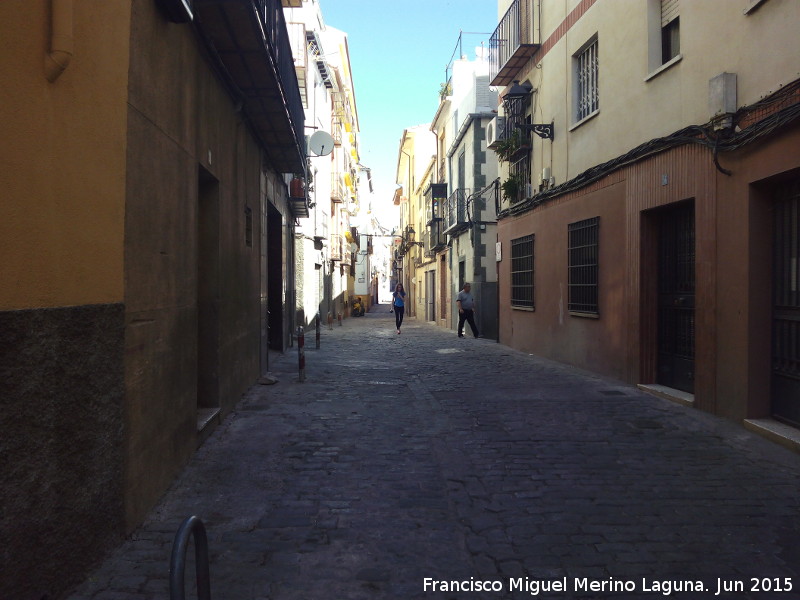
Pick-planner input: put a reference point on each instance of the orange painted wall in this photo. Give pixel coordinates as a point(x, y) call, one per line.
point(62, 157)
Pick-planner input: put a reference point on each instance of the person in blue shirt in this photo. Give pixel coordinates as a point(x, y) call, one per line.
point(398, 304)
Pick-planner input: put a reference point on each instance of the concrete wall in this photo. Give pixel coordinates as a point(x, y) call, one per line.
point(193, 269)
point(599, 344)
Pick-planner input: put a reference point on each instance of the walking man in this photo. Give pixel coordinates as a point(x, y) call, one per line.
point(466, 310)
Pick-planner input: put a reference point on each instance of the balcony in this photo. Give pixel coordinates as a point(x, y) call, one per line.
point(250, 41)
point(435, 196)
point(297, 40)
point(512, 43)
point(336, 247)
point(347, 256)
point(337, 118)
point(338, 193)
point(298, 206)
point(454, 212)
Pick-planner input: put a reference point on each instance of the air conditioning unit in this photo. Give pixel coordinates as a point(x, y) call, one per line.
point(495, 131)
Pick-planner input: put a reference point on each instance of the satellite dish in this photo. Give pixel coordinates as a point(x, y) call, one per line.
point(353, 247)
point(320, 143)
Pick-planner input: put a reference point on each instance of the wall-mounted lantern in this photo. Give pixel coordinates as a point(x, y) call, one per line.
point(513, 98)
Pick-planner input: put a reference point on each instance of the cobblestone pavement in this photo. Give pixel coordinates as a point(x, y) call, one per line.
point(422, 455)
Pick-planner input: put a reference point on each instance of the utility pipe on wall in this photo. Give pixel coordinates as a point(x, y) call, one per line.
point(58, 57)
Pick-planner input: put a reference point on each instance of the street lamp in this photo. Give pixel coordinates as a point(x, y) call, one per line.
point(516, 94)
point(409, 237)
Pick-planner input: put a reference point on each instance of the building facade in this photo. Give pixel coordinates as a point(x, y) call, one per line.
point(147, 256)
point(413, 260)
point(447, 178)
point(326, 254)
point(648, 228)
point(467, 216)
point(325, 257)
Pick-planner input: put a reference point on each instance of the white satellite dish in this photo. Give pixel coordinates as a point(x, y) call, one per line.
point(353, 247)
point(320, 143)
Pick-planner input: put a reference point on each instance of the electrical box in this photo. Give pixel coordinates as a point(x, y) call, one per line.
point(722, 97)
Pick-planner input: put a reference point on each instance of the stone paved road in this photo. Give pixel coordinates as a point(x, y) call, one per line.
point(421, 455)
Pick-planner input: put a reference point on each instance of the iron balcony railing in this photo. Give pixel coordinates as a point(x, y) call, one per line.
point(276, 34)
point(337, 118)
point(250, 41)
point(336, 246)
point(297, 41)
point(512, 43)
point(435, 238)
point(455, 210)
point(338, 193)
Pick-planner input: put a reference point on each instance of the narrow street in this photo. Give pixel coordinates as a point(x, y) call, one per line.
point(422, 457)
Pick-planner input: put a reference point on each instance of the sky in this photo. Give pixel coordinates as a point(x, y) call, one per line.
point(399, 52)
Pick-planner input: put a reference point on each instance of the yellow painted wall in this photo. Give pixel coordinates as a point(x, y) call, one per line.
point(62, 157)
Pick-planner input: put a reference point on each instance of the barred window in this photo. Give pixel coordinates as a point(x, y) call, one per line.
point(587, 99)
point(522, 272)
point(583, 266)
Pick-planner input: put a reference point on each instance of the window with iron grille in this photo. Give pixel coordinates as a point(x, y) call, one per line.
point(583, 266)
point(587, 100)
point(522, 272)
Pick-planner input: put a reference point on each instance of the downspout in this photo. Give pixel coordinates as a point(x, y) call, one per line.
point(60, 53)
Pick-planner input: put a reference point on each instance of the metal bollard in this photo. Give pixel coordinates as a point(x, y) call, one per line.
point(301, 353)
point(191, 526)
point(317, 326)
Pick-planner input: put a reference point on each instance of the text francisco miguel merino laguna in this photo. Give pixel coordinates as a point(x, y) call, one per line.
point(584, 584)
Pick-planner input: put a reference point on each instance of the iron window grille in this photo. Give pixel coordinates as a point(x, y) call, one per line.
point(522, 271)
point(455, 210)
point(583, 266)
point(519, 164)
point(586, 82)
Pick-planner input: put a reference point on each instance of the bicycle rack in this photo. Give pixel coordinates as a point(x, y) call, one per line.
point(191, 526)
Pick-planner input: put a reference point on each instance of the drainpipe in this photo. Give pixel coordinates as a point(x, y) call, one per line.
point(57, 59)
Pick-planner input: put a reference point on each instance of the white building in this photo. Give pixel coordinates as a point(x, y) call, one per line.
point(325, 244)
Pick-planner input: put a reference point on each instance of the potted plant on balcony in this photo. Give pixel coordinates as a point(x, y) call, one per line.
point(512, 187)
point(508, 147)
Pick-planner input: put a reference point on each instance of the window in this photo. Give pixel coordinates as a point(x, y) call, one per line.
point(522, 272)
point(663, 36)
point(519, 159)
point(670, 30)
point(583, 263)
point(586, 82)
